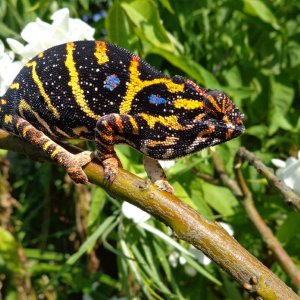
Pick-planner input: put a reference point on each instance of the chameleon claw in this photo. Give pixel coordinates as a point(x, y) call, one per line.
point(111, 167)
point(164, 185)
point(77, 175)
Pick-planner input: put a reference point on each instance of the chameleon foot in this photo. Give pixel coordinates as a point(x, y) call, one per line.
point(84, 157)
point(111, 166)
point(164, 185)
point(77, 175)
point(75, 171)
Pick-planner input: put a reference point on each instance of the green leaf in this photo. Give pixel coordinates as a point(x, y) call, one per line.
point(9, 258)
point(117, 26)
point(220, 199)
point(182, 194)
point(281, 98)
point(98, 199)
point(289, 228)
point(258, 8)
point(145, 16)
point(91, 240)
point(190, 67)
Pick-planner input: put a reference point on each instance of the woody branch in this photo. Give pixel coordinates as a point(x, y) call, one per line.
point(186, 223)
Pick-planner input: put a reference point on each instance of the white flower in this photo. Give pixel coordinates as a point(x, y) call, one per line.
point(134, 213)
point(8, 68)
point(227, 227)
point(40, 35)
point(289, 172)
point(167, 163)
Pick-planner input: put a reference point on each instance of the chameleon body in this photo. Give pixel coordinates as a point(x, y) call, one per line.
point(97, 91)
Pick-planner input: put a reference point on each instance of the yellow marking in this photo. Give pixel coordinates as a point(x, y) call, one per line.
point(15, 86)
point(79, 130)
point(214, 103)
point(56, 151)
point(169, 141)
point(226, 119)
point(101, 53)
point(46, 145)
point(134, 125)
point(25, 130)
point(74, 83)
point(170, 121)
point(3, 101)
point(41, 55)
point(7, 119)
point(23, 105)
point(41, 89)
point(136, 84)
point(188, 104)
point(62, 132)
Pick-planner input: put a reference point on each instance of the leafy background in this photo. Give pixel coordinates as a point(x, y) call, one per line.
point(62, 241)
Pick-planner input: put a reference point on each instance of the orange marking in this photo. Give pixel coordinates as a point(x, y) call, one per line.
point(200, 116)
point(214, 103)
point(119, 123)
point(229, 133)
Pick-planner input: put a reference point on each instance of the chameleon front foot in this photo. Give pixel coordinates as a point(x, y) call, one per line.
point(111, 167)
point(164, 185)
point(75, 171)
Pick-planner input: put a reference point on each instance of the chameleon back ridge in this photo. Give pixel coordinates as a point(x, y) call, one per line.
point(98, 91)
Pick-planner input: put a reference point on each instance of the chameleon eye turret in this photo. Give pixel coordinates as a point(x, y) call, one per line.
point(93, 90)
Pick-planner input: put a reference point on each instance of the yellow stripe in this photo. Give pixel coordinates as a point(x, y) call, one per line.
point(169, 141)
point(41, 89)
point(62, 132)
point(74, 83)
point(136, 84)
point(171, 121)
point(100, 53)
point(56, 151)
point(15, 86)
point(7, 119)
point(46, 145)
point(134, 125)
point(188, 104)
point(23, 105)
point(25, 129)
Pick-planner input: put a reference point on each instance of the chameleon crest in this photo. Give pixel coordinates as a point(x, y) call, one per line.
point(98, 91)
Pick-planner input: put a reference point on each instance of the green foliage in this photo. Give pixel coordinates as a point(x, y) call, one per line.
point(75, 239)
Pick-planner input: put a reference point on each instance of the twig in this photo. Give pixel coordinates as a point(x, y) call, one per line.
point(186, 223)
point(290, 197)
point(240, 188)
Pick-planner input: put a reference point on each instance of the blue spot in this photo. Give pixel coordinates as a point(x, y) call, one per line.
point(111, 82)
point(154, 99)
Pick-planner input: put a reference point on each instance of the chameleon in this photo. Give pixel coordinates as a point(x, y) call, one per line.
point(94, 90)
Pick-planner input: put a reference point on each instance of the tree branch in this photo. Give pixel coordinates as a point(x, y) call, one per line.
point(240, 189)
point(186, 223)
point(290, 197)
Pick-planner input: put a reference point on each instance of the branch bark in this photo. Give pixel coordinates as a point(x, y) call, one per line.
point(290, 197)
point(241, 190)
point(186, 223)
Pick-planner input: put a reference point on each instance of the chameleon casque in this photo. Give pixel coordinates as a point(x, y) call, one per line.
point(98, 91)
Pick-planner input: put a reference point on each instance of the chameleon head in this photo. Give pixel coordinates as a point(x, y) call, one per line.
point(222, 120)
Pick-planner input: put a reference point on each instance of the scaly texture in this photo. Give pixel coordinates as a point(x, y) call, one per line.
point(95, 90)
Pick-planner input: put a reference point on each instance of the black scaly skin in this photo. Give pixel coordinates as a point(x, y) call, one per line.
point(95, 90)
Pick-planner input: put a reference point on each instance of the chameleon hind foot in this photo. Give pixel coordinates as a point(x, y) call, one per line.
point(75, 171)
